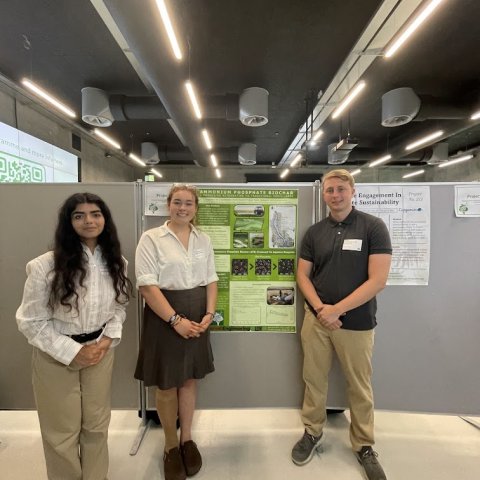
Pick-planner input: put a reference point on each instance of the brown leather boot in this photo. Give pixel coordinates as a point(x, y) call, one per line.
point(173, 465)
point(191, 458)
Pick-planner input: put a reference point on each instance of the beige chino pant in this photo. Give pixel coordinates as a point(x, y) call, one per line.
point(73, 406)
point(354, 350)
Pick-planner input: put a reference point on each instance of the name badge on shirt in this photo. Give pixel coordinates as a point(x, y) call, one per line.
point(352, 244)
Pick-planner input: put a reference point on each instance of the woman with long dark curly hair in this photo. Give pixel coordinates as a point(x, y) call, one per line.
point(72, 312)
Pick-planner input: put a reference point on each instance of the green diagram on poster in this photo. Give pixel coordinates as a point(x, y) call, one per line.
point(254, 236)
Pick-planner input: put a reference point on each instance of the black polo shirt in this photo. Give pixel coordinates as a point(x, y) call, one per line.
point(339, 252)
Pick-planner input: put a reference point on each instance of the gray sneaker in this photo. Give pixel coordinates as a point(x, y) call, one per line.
point(367, 457)
point(304, 449)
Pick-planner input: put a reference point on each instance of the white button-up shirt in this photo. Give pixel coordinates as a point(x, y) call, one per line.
point(162, 260)
point(48, 329)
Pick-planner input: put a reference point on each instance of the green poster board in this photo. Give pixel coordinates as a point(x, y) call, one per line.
point(254, 235)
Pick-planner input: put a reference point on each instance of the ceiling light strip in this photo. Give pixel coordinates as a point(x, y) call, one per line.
point(456, 160)
point(381, 160)
point(213, 160)
point(424, 140)
point(137, 160)
point(297, 159)
point(414, 174)
point(206, 139)
point(169, 28)
point(218, 173)
point(193, 99)
point(49, 98)
point(349, 99)
point(108, 139)
point(412, 27)
point(157, 173)
point(284, 173)
point(355, 172)
point(475, 116)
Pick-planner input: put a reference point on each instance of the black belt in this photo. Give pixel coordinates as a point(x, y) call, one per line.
point(86, 337)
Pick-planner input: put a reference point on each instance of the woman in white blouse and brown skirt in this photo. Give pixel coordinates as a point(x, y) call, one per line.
point(176, 275)
point(72, 312)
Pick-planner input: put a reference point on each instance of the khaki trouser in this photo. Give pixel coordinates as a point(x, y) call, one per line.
point(354, 350)
point(73, 406)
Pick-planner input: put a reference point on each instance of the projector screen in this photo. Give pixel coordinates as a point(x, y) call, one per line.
point(26, 159)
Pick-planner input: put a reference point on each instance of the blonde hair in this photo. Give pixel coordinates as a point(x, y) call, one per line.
point(340, 173)
point(176, 187)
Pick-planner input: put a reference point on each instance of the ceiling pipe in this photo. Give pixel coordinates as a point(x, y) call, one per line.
point(147, 40)
point(153, 154)
point(402, 105)
point(429, 153)
point(101, 109)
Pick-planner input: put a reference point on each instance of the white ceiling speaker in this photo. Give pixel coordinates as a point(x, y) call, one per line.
point(253, 107)
point(149, 153)
point(399, 106)
point(337, 157)
point(96, 107)
point(247, 154)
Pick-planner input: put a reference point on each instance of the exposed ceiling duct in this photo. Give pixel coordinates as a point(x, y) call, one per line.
point(152, 154)
point(247, 154)
point(337, 157)
point(254, 107)
point(101, 109)
point(403, 105)
point(399, 106)
point(149, 153)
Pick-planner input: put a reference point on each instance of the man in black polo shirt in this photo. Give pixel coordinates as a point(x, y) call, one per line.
point(344, 262)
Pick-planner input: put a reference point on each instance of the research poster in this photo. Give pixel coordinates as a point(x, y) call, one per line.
point(254, 235)
point(405, 209)
point(467, 201)
point(155, 204)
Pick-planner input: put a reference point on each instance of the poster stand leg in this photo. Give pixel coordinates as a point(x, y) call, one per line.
point(471, 422)
point(145, 425)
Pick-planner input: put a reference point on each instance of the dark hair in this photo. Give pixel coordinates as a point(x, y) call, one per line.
point(69, 258)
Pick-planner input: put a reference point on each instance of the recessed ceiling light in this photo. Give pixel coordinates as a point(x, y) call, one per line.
point(193, 99)
point(49, 98)
point(296, 159)
point(454, 161)
point(108, 139)
point(349, 99)
point(157, 173)
point(414, 174)
point(475, 116)
point(381, 160)
point(415, 23)
point(169, 28)
point(423, 140)
point(137, 159)
point(206, 139)
point(213, 159)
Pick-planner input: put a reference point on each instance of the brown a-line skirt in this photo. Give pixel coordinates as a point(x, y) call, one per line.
point(165, 358)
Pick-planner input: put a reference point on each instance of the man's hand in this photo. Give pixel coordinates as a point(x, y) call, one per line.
point(329, 317)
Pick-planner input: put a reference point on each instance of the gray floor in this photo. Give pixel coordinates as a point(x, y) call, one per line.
point(256, 444)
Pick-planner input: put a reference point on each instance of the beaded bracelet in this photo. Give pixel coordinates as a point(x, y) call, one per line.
point(172, 319)
point(175, 320)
